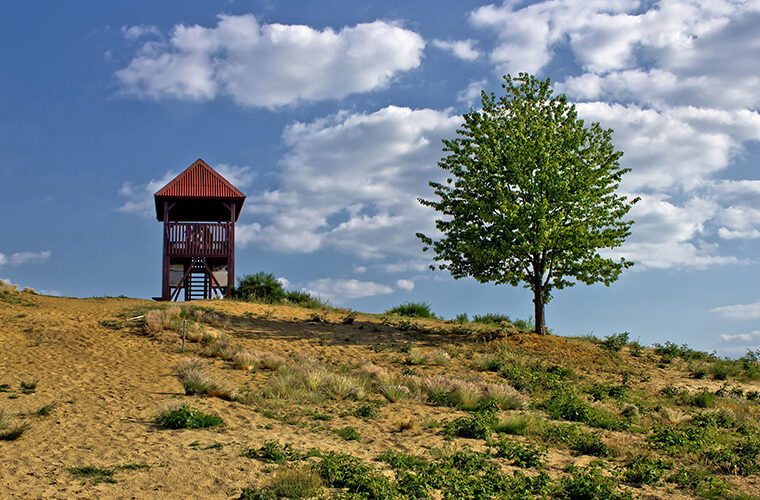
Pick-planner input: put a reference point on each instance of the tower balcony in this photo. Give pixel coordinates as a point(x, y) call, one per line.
point(198, 239)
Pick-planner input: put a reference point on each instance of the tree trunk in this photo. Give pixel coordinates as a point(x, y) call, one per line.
point(538, 302)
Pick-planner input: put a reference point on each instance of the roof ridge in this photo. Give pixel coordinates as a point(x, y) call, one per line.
point(185, 186)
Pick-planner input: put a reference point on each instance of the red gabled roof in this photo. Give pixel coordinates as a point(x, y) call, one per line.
point(199, 181)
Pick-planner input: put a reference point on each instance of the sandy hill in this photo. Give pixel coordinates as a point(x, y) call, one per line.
point(426, 408)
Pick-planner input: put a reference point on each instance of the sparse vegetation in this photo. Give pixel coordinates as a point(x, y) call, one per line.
point(187, 417)
point(412, 310)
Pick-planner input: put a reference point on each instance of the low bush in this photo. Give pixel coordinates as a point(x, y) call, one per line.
point(187, 417)
point(614, 342)
point(741, 458)
point(287, 482)
point(566, 405)
point(304, 299)
point(274, 452)
point(588, 483)
point(522, 455)
point(259, 287)
point(479, 425)
point(412, 310)
point(349, 434)
point(644, 469)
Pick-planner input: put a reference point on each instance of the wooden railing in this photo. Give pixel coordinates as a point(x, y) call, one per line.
point(198, 239)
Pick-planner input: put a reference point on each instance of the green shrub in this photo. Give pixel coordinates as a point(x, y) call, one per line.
point(274, 452)
point(644, 469)
point(614, 342)
point(567, 405)
point(477, 426)
point(304, 299)
point(287, 482)
point(366, 411)
point(522, 455)
point(349, 434)
point(97, 474)
point(588, 484)
point(681, 436)
point(412, 310)
point(259, 287)
point(602, 392)
point(703, 399)
point(575, 438)
point(635, 349)
point(187, 417)
point(701, 481)
point(491, 318)
point(339, 470)
point(531, 375)
point(741, 458)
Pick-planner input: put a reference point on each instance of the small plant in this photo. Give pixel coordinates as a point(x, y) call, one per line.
point(349, 318)
point(366, 411)
point(287, 482)
point(491, 319)
point(521, 455)
point(477, 426)
point(97, 474)
point(45, 410)
point(271, 361)
point(274, 452)
point(412, 310)
point(245, 360)
point(635, 349)
point(187, 417)
point(394, 393)
point(739, 459)
point(338, 386)
point(644, 469)
point(28, 387)
point(417, 357)
point(614, 342)
point(504, 395)
point(349, 434)
point(588, 483)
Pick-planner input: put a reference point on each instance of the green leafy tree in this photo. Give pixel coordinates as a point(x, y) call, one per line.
point(531, 195)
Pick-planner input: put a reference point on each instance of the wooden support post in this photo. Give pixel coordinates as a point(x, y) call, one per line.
point(184, 329)
point(231, 254)
point(165, 293)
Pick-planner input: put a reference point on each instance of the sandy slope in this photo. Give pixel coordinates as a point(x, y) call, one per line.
point(108, 385)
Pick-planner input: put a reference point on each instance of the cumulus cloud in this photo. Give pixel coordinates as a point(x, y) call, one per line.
point(463, 49)
point(340, 290)
point(349, 182)
point(754, 336)
point(738, 311)
point(405, 284)
point(270, 65)
point(21, 258)
point(140, 31)
point(139, 196)
point(471, 94)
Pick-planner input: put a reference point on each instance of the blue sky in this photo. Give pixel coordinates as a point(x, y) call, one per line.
point(329, 116)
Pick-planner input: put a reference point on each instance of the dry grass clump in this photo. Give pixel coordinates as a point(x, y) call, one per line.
point(394, 393)
point(197, 381)
point(8, 433)
point(465, 394)
point(439, 357)
point(158, 320)
point(284, 385)
point(194, 332)
point(417, 356)
point(337, 386)
point(488, 362)
point(221, 349)
point(313, 377)
point(406, 424)
point(504, 395)
point(7, 288)
point(245, 360)
point(209, 336)
point(374, 372)
point(271, 361)
point(436, 387)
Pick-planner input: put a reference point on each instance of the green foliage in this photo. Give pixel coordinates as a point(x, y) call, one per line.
point(274, 452)
point(259, 287)
point(602, 392)
point(682, 436)
point(366, 411)
point(741, 458)
point(339, 470)
point(304, 299)
point(567, 405)
point(575, 438)
point(522, 455)
point(670, 350)
point(531, 375)
point(701, 481)
point(97, 474)
point(412, 310)
point(615, 342)
point(644, 469)
point(530, 196)
point(479, 425)
point(349, 434)
point(187, 417)
point(588, 484)
point(491, 318)
point(287, 482)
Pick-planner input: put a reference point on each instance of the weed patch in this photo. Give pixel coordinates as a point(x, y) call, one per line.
point(187, 417)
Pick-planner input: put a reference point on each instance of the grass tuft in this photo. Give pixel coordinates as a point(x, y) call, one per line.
point(187, 417)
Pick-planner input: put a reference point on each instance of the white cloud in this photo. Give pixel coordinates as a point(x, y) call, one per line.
point(360, 269)
point(739, 311)
point(405, 284)
point(141, 31)
point(471, 94)
point(350, 181)
point(754, 336)
point(463, 49)
point(284, 282)
point(340, 290)
point(21, 258)
point(139, 196)
point(270, 65)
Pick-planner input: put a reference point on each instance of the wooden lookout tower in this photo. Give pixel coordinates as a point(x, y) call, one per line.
point(199, 209)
